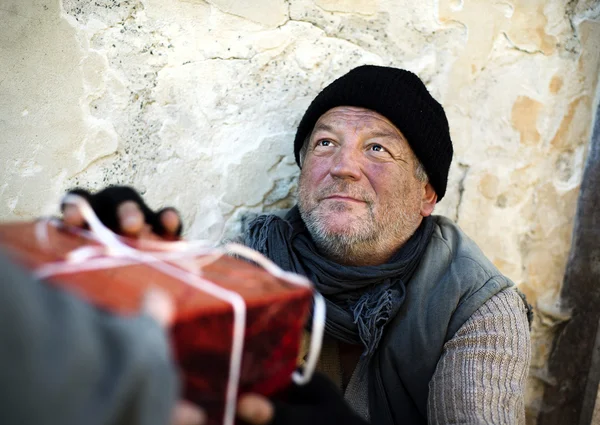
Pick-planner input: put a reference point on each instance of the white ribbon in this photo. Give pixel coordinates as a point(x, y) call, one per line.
point(115, 253)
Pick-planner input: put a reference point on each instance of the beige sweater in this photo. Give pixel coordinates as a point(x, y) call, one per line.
point(480, 378)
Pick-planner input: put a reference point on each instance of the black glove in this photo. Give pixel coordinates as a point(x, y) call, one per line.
point(106, 203)
point(319, 402)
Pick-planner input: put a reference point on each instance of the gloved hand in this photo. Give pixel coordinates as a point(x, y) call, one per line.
point(123, 210)
point(319, 402)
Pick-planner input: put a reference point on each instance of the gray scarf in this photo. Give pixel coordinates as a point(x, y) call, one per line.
point(360, 300)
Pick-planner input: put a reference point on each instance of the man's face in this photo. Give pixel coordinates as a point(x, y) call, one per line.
point(358, 192)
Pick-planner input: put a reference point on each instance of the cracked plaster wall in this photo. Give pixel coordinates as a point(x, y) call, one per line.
point(195, 103)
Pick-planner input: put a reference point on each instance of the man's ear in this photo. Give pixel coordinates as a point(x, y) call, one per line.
point(428, 201)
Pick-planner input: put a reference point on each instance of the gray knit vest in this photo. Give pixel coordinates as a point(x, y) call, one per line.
point(453, 280)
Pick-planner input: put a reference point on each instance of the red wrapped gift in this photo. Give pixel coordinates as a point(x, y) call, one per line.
point(237, 328)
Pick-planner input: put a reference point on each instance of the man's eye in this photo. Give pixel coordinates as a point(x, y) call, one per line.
point(378, 148)
point(324, 142)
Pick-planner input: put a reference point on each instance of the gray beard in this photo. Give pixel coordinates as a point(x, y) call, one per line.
point(342, 247)
point(365, 240)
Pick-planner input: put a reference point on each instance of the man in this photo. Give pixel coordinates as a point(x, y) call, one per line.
point(421, 327)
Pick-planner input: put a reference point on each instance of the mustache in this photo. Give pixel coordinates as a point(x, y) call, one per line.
point(344, 189)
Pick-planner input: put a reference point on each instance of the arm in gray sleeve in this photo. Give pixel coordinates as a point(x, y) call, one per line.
point(480, 378)
point(64, 362)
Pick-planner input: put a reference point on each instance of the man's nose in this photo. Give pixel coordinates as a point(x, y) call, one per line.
point(346, 163)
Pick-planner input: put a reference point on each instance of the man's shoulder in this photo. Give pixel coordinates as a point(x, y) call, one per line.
point(459, 246)
point(465, 273)
point(238, 233)
point(454, 265)
point(448, 231)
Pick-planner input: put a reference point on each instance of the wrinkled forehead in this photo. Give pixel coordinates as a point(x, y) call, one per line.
point(352, 118)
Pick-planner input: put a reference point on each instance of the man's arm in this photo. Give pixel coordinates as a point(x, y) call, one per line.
point(64, 362)
point(480, 378)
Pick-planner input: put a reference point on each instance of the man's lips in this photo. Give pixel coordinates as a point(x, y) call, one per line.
point(343, 198)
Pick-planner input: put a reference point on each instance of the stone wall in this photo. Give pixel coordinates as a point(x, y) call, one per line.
point(195, 103)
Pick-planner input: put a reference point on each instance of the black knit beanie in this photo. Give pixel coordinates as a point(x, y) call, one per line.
point(402, 98)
